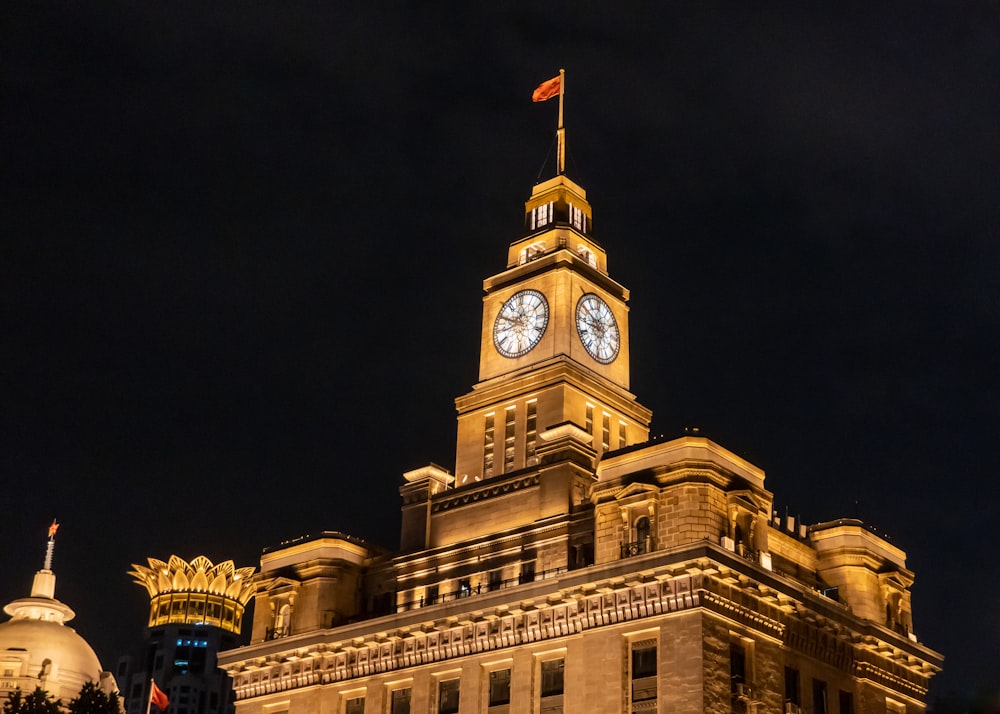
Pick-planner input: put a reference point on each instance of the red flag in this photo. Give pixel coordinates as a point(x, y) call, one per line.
point(158, 697)
point(547, 89)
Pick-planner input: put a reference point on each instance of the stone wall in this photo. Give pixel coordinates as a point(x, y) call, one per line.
point(690, 512)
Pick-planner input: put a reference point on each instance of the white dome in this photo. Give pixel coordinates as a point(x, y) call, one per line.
point(38, 650)
point(30, 648)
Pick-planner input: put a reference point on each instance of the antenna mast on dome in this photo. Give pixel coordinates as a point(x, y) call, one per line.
point(50, 547)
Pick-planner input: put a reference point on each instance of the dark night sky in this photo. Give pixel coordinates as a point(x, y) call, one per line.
point(243, 246)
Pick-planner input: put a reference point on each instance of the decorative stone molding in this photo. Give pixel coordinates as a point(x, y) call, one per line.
point(572, 612)
point(576, 610)
point(488, 491)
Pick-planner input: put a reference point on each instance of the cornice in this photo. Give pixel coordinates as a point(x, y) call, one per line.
point(487, 490)
point(562, 259)
point(552, 372)
point(703, 578)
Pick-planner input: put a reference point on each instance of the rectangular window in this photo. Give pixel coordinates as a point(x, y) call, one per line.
point(643, 659)
point(464, 587)
point(606, 433)
point(448, 697)
point(846, 702)
point(499, 687)
point(541, 215)
point(741, 671)
point(197, 605)
point(527, 572)
point(495, 580)
point(737, 665)
point(552, 677)
point(508, 440)
point(622, 434)
point(488, 448)
point(588, 425)
point(432, 595)
point(355, 706)
point(643, 670)
point(792, 695)
point(531, 433)
point(400, 701)
point(198, 660)
point(583, 555)
point(819, 697)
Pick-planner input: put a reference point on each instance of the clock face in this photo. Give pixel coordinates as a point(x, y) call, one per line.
point(598, 330)
point(521, 323)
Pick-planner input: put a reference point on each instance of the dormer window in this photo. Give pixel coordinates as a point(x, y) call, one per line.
point(577, 218)
point(542, 215)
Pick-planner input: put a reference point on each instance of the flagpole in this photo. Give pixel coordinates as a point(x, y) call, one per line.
point(149, 699)
point(561, 130)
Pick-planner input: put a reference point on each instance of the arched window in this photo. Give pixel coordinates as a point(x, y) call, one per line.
point(642, 534)
point(283, 620)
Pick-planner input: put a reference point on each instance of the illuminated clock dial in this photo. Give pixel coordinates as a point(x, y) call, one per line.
point(598, 329)
point(521, 323)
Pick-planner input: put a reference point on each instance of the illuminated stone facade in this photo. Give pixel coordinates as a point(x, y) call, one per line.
point(195, 610)
point(570, 563)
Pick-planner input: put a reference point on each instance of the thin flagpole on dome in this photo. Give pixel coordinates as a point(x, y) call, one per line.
point(51, 545)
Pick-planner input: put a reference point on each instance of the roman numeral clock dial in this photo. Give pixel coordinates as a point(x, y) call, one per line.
point(520, 323)
point(598, 329)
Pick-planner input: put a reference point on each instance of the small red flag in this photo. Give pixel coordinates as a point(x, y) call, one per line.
point(158, 697)
point(547, 89)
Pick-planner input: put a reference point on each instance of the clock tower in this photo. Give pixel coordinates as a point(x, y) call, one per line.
point(554, 346)
point(567, 543)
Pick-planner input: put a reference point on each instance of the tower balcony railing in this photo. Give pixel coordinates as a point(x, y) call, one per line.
point(481, 588)
point(274, 633)
point(26, 684)
point(637, 547)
